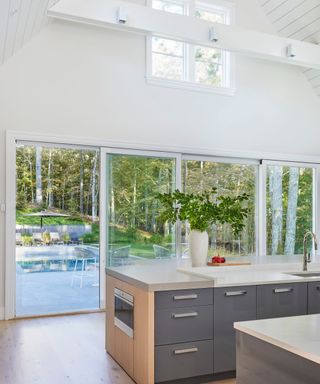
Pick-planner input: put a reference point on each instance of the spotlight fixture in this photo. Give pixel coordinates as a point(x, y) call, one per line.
point(213, 35)
point(290, 52)
point(121, 16)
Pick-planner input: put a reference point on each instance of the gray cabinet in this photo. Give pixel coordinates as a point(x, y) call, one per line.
point(184, 298)
point(314, 297)
point(178, 325)
point(183, 334)
point(180, 361)
point(230, 305)
point(281, 300)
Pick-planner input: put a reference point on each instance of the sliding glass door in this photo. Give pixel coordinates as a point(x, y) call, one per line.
point(57, 229)
point(133, 230)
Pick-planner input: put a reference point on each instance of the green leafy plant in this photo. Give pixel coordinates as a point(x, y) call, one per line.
point(204, 209)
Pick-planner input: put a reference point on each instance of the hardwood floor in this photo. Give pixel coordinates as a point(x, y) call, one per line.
point(59, 350)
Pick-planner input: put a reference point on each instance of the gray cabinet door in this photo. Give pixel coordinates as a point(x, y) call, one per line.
point(183, 298)
point(179, 361)
point(314, 297)
point(230, 305)
point(179, 325)
point(281, 300)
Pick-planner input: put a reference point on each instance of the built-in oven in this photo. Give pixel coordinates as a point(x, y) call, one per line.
point(123, 311)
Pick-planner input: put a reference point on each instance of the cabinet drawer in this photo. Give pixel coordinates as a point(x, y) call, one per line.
point(178, 325)
point(230, 305)
point(179, 361)
point(314, 297)
point(281, 300)
point(184, 298)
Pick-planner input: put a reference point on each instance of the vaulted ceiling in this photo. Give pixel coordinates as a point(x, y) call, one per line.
point(297, 19)
point(20, 20)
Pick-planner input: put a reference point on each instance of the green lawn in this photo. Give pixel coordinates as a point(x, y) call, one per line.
point(27, 220)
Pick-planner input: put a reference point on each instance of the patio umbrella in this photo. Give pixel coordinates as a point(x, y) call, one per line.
point(43, 214)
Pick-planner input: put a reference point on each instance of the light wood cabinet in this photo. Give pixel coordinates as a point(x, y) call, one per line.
point(135, 355)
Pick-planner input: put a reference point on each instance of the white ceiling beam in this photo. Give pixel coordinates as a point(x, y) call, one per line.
point(145, 20)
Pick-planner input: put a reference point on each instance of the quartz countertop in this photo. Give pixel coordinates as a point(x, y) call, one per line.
point(160, 275)
point(299, 334)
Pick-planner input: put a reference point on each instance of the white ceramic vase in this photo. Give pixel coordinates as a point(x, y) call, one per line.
point(198, 248)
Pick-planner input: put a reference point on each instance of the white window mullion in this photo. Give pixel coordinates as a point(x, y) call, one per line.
point(190, 60)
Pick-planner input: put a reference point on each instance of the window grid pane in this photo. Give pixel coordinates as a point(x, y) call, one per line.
point(167, 47)
point(289, 208)
point(229, 179)
point(168, 58)
point(167, 67)
point(169, 6)
point(214, 16)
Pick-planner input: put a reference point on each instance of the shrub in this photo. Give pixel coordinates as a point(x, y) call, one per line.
point(26, 239)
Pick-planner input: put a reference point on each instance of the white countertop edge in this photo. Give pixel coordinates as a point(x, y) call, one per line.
point(158, 286)
point(278, 343)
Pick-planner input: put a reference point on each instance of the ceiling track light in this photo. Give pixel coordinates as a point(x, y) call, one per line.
point(290, 52)
point(121, 16)
point(213, 35)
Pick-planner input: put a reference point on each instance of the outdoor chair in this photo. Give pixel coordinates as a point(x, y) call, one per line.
point(74, 238)
point(88, 265)
point(19, 240)
point(119, 256)
point(37, 238)
point(161, 252)
point(55, 238)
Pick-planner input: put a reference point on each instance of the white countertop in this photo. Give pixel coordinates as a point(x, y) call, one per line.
point(255, 274)
point(160, 275)
point(299, 334)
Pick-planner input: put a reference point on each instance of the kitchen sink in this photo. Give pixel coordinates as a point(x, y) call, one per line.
point(305, 274)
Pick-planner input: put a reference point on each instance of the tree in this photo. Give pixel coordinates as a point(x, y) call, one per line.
point(49, 181)
point(275, 188)
point(292, 211)
point(81, 183)
point(38, 176)
point(93, 187)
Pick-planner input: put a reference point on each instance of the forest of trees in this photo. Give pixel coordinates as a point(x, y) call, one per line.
point(67, 180)
point(58, 178)
point(232, 180)
point(133, 183)
point(289, 208)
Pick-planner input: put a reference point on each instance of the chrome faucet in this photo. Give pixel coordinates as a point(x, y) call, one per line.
point(306, 256)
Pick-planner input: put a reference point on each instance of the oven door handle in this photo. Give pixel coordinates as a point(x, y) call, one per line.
point(123, 299)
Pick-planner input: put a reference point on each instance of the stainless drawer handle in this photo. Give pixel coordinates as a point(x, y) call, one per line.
point(183, 351)
point(183, 315)
point(185, 297)
point(235, 293)
point(282, 290)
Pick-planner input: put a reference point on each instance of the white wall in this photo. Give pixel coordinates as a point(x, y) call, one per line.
point(78, 80)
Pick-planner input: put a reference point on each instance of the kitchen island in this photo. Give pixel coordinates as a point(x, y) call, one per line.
point(282, 351)
point(169, 323)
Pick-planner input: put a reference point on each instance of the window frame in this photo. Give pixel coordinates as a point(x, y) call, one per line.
point(188, 82)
